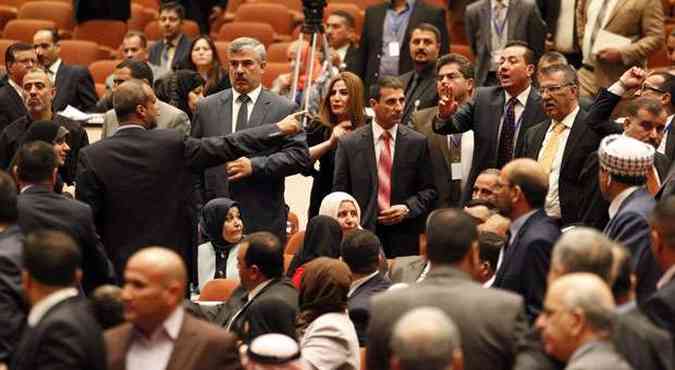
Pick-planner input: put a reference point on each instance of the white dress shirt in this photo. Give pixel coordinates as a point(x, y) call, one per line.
point(154, 352)
point(618, 200)
point(41, 308)
point(253, 95)
point(662, 145)
point(666, 278)
point(564, 34)
point(17, 88)
point(593, 8)
point(552, 205)
point(379, 144)
point(53, 69)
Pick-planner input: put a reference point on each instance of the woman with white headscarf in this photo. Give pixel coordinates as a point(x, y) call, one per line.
point(343, 208)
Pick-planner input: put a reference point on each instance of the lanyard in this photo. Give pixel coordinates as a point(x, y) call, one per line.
point(499, 28)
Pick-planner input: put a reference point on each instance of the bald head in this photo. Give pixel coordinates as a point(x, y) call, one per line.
point(163, 263)
point(530, 177)
point(426, 338)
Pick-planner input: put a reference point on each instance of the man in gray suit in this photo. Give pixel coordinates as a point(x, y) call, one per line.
point(577, 321)
point(257, 183)
point(169, 116)
point(490, 24)
point(490, 321)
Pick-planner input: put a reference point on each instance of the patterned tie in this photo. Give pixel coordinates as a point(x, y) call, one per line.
point(242, 117)
point(167, 56)
point(505, 150)
point(551, 147)
point(384, 173)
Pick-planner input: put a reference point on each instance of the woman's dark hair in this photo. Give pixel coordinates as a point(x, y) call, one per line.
point(174, 88)
point(322, 239)
point(215, 74)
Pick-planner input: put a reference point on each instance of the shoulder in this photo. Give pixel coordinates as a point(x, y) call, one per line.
point(473, 7)
point(411, 133)
point(208, 331)
point(278, 101)
point(332, 323)
point(73, 69)
point(215, 99)
point(355, 136)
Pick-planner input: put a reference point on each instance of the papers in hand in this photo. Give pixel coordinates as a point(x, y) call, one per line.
point(606, 39)
point(77, 115)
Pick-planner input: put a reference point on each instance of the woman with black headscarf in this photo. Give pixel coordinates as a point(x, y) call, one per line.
point(327, 336)
point(182, 89)
point(322, 239)
point(221, 225)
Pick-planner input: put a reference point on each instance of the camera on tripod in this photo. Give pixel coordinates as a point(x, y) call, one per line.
point(313, 11)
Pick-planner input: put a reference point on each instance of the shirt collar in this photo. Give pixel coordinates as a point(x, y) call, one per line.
point(505, 2)
point(568, 121)
point(55, 66)
point(253, 293)
point(174, 41)
point(19, 89)
point(356, 284)
point(253, 94)
point(409, 4)
point(41, 308)
point(618, 200)
point(378, 131)
point(170, 327)
point(522, 97)
point(519, 222)
point(128, 126)
point(666, 278)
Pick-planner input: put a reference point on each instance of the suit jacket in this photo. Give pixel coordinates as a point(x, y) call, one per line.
point(11, 106)
point(425, 94)
point(272, 310)
point(483, 115)
point(407, 269)
point(13, 310)
point(330, 342)
point(660, 307)
point(169, 117)
point(524, 24)
point(199, 345)
point(630, 227)
point(102, 9)
point(75, 87)
point(261, 195)
point(367, 61)
point(597, 355)
point(41, 208)
point(151, 173)
point(67, 337)
point(12, 138)
point(527, 259)
point(639, 20)
point(411, 184)
point(359, 304)
point(181, 53)
point(581, 142)
point(670, 143)
point(491, 322)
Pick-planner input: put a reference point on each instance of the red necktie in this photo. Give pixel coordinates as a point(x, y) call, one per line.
point(384, 173)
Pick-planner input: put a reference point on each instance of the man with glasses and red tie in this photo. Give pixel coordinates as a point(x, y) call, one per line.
point(386, 166)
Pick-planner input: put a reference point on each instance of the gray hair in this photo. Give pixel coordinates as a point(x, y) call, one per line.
point(583, 249)
point(589, 294)
point(127, 97)
point(425, 338)
point(242, 43)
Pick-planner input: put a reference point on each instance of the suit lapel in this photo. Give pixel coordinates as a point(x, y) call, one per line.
point(617, 7)
point(401, 148)
point(670, 141)
point(496, 104)
point(183, 347)
point(576, 135)
point(260, 109)
point(538, 143)
point(513, 16)
point(119, 346)
point(441, 141)
point(486, 25)
point(368, 147)
point(227, 112)
point(527, 119)
point(59, 81)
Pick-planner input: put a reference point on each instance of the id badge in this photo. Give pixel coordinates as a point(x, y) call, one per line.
point(394, 49)
point(456, 170)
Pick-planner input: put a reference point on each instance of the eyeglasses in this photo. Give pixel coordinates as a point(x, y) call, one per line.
point(554, 89)
point(649, 87)
point(449, 76)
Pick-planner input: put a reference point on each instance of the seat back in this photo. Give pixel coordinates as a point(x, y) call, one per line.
point(104, 32)
point(140, 17)
point(277, 52)
point(100, 70)
point(275, 15)
point(24, 29)
point(218, 290)
point(272, 71)
point(59, 12)
point(4, 44)
point(262, 32)
point(293, 244)
point(79, 52)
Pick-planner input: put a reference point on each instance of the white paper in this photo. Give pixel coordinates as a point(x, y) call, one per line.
point(606, 39)
point(74, 114)
point(394, 49)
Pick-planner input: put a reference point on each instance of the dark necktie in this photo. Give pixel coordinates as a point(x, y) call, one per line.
point(242, 117)
point(409, 96)
point(505, 150)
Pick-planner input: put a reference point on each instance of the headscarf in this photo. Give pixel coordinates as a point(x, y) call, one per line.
point(175, 87)
point(330, 204)
point(212, 218)
point(324, 287)
point(47, 131)
point(322, 239)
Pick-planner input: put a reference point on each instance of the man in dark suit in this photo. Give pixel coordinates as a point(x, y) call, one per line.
point(41, 208)
point(420, 83)
point(584, 344)
point(499, 116)
point(174, 47)
point(19, 59)
point(492, 25)
point(641, 343)
point(562, 143)
point(660, 307)
point(451, 155)
point(624, 165)
point(360, 250)
point(13, 308)
point(265, 302)
point(340, 28)
point(561, 30)
point(383, 49)
point(661, 86)
point(62, 331)
point(386, 167)
point(74, 84)
point(490, 330)
point(521, 194)
point(135, 214)
point(39, 94)
point(256, 182)
point(155, 280)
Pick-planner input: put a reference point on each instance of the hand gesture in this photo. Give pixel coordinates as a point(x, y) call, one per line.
point(339, 130)
point(447, 106)
point(239, 169)
point(633, 78)
point(393, 215)
point(291, 124)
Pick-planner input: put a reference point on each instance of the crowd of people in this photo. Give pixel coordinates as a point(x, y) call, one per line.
point(516, 211)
